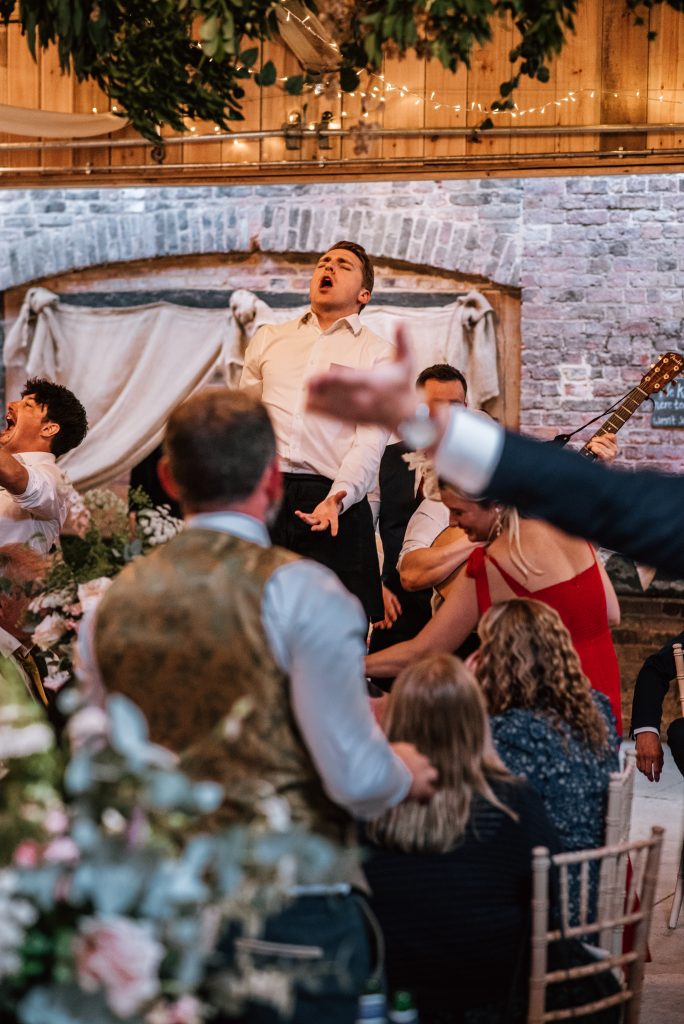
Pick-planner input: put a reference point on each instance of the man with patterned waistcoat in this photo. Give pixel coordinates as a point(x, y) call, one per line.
point(218, 615)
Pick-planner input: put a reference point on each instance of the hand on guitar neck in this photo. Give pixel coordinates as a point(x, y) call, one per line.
point(603, 447)
point(661, 374)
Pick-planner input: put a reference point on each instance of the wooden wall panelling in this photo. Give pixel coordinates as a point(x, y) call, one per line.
point(506, 306)
point(238, 150)
point(406, 107)
point(489, 67)
point(4, 137)
point(88, 98)
point(352, 108)
point(23, 90)
point(625, 73)
point(135, 156)
point(666, 76)
point(198, 152)
point(56, 94)
point(277, 105)
point(579, 71)
point(444, 91)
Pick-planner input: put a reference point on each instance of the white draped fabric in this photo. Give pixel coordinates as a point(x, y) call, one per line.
point(52, 124)
point(131, 366)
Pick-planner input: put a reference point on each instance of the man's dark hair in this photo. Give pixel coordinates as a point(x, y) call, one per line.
point(367, 272)
point(61, 407)
point(443, 372)
point(218, 444)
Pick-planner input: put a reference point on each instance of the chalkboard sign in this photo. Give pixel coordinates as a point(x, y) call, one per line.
point(668, 409)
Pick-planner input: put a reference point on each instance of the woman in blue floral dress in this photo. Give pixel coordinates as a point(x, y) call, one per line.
point(547, 723)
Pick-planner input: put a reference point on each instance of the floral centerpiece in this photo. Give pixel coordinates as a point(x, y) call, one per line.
point(111, 896)
point(107, 534)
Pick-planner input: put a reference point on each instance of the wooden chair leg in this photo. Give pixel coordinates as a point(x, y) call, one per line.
point(679, 894)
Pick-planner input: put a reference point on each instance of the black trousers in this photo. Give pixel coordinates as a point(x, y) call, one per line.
point(675, 739)
point(352, 554)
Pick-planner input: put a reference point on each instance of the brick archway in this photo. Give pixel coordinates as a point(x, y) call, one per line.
point(456, 226)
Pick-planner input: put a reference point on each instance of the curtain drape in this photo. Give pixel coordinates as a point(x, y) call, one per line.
point(131, 366)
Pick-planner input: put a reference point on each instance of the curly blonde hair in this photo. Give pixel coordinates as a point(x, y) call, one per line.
point(436, 704)
point(527, 660)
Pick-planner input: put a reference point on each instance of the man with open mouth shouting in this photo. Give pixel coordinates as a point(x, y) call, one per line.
point(328, 467)
point(47, 421)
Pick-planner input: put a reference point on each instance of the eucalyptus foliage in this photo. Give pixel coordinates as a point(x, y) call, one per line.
point(163, 62)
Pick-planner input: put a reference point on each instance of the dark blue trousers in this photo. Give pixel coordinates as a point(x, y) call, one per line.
point(321, 943)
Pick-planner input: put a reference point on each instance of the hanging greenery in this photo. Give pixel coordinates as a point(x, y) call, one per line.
point(167, 62)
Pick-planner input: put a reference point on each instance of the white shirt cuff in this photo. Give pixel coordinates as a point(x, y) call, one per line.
point(646, 728)
point(470, 451)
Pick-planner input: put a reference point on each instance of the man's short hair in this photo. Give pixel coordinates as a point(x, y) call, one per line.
point(443, 372)
point(61, 407)
point(367, 272)
point(218, 444)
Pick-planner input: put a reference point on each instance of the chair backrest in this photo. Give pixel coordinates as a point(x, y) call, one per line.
point(644, 857)
point(612, 883)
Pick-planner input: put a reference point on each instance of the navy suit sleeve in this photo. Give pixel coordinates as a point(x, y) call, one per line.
point(639, 514)
point(652, 685)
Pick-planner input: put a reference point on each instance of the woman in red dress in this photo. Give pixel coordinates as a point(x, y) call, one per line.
point(521, 558)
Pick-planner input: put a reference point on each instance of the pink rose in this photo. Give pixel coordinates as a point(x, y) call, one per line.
point(120, 956)
point(186, 1010)
point(90, 723)
point(90, 593)
point(49, 631)
point(27, 854)
point(56, 821)
point(62, 850)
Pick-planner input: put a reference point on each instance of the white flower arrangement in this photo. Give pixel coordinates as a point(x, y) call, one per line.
point(84, 568)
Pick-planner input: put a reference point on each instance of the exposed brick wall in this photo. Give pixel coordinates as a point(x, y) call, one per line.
point(598, 261)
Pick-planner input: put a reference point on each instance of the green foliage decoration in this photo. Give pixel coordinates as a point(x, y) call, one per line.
point(165, 62)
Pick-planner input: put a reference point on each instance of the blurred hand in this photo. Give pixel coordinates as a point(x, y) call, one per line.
point(649, 755)
point(326, 514)
point(424, 775)
point(392, 609)
point(605, 447)
point(384, 395)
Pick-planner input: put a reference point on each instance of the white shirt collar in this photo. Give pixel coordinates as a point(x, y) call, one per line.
point(237, 523)
point(35, 458)
point(353, 322)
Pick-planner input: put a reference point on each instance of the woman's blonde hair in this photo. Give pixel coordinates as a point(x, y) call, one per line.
point(436, 704)
point(527, 661)
point(507, 520)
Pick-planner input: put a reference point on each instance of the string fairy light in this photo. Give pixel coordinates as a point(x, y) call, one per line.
point(381, 90)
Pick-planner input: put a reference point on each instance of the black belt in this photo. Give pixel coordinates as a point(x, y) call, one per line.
point(307, 478)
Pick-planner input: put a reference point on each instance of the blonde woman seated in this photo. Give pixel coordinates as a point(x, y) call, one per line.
point(451, 879)
point(546, 722)
point(520, 558)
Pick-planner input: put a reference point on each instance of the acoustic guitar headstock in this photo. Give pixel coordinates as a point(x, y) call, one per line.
point(662, 373)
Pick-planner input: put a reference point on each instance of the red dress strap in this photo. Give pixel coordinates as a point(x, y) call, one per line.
point(518, 589)
point(476, 569)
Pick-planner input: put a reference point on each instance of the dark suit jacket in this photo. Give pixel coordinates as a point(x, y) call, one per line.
point(398, 502)
point(639, 514)
point(652, 684)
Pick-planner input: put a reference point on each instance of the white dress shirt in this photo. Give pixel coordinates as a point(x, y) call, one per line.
point(316, 631)
point(279, 361)
point(470, 450)
point(36, 516)
point(426, 523)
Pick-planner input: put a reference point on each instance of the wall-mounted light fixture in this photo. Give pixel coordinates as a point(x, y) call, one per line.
point(323, 130)
point(293, 130)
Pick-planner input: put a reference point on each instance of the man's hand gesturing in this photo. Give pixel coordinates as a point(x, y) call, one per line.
point(326, 514)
